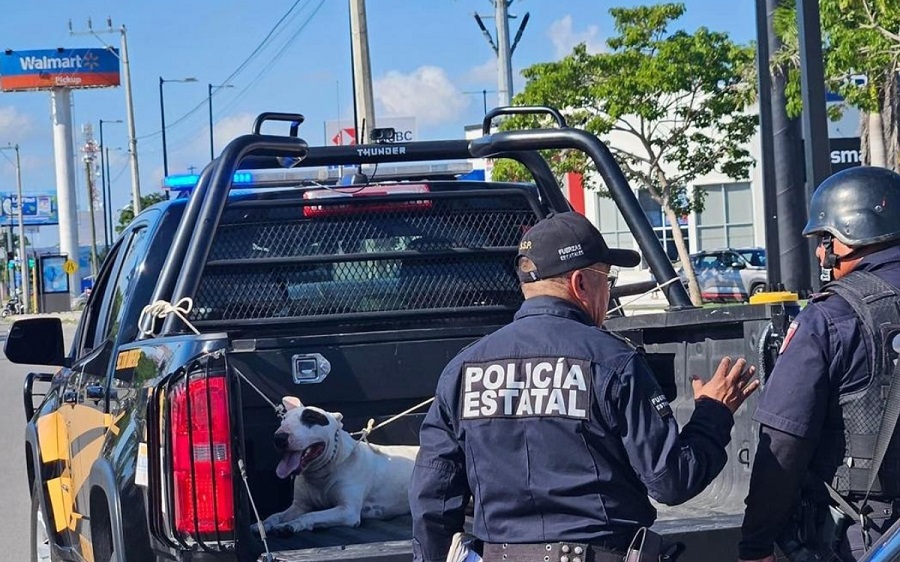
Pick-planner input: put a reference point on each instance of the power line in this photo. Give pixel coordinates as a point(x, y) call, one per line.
point(189, 139)
point(272, 62)
point(272, 32)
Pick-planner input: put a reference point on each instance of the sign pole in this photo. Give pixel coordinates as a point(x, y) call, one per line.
point(65, 175)
point(26, 293)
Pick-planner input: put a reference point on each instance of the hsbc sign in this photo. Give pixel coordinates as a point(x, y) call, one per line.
point(342, 133)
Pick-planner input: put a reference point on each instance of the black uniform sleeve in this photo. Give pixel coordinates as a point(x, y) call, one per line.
point(439, 490)
point(674, 466)
point(796, 394)
point(778, 467)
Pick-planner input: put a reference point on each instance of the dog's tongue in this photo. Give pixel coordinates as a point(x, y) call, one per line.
point(289, 464)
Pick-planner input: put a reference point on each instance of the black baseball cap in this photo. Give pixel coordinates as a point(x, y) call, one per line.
point(564, 242)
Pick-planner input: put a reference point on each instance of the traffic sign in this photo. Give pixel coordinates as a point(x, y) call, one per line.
point(70, 267)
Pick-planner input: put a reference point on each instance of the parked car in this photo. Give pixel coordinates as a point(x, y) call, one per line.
point(729, 275)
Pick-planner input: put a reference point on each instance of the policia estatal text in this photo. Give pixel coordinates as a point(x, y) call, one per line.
point(557, 428)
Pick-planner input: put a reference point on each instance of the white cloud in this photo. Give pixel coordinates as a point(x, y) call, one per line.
point(192, 151)
point(13, 124)
point(484, 73)
point(228, 128)
point(426, 93)
point(564, 37)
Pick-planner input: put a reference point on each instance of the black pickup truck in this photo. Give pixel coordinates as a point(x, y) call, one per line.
point(152, 440)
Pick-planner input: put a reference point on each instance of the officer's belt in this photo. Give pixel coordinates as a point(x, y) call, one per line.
point(549, 552)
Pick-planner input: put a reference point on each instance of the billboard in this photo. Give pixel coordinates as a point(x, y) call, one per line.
point(58, 68)
point(37, 209)
point(340, 133)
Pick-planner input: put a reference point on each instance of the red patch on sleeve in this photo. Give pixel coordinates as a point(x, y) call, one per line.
point(787, 337)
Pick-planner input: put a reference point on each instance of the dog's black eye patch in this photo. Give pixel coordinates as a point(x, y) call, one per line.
point(310, 418)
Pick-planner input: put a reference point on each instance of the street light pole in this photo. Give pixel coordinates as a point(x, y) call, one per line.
point(212, 149)
point(23, 258)
point(162, 114)
point(104, 188)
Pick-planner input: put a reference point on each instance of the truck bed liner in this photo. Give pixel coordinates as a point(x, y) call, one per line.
point(369, 531)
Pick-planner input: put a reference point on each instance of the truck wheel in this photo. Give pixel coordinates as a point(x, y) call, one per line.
point(41, 549)
point(757, 289)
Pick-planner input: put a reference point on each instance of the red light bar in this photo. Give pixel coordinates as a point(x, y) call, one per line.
point(311, 211)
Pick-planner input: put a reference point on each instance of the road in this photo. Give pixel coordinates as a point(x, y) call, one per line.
point(15, 502)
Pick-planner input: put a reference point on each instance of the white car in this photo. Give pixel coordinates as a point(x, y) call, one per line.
point(729, 275)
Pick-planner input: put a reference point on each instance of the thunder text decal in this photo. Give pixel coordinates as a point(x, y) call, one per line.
point(530, 387)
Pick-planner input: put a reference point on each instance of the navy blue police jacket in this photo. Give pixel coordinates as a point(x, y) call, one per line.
point(823, 357)
point(559, 431)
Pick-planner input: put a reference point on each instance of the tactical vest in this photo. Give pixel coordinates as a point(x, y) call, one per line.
point(877, 305)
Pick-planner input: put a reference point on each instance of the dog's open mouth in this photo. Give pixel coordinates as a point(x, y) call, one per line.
point(295, 462)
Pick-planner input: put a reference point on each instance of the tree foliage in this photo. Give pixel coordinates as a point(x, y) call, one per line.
point(859, 41)
point(126, 214)
point(671, 105)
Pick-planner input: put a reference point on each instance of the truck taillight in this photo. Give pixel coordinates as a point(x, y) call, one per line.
point(350, 193)
point(201, 456)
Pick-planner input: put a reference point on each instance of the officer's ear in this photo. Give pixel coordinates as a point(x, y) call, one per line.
point(576, 283)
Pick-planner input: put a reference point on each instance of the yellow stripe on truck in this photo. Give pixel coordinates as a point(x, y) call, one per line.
point(59, 492)
point(51, 438)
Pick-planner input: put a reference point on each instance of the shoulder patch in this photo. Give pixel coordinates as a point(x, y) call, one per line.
point(816, 297)
point(661, 404)
point(788, 336)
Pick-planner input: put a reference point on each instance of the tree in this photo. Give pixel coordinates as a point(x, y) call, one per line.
point(126, 215)
point(857, 42)
point(673, 103)
point(4, 234)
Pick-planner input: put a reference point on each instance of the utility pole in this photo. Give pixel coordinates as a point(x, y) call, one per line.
point(23, 257)
point(502, 47)
point(104, 188)
point(363, 98)
point(129, 102)
point(209, 89)
point(814, 118)
point(108, 201)
point(90, 154)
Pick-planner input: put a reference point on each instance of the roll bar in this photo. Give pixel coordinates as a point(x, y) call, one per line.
point(181, 273)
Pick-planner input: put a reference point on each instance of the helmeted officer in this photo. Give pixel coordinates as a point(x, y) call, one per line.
point(558, 428)
point(812, 488)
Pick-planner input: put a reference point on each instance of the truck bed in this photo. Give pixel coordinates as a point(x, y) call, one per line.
point(710, 536)
point(369, 531)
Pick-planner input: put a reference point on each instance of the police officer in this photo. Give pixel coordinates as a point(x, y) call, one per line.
point(558, 428)
point(821, 409)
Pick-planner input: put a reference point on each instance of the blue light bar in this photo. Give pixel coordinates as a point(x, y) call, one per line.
point(188, 181)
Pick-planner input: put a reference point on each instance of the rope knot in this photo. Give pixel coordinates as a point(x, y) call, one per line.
point(161, 309)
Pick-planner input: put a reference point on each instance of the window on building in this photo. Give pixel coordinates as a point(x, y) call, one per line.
point(612, 224)
point(661, 224)
point(727, 218)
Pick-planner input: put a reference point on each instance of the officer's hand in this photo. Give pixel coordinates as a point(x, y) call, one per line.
point(730, 385)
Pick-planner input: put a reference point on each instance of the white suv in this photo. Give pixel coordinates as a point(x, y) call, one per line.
point(732, 274)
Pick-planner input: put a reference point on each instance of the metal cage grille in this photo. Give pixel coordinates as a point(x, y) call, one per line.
point(358, 256)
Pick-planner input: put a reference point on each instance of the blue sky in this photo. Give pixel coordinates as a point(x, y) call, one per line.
point(424, 55)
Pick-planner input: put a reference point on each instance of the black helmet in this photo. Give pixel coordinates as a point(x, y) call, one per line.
point(858, 206)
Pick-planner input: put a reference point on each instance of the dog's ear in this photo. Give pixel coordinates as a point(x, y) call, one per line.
point(338, 417)
point(291, 402)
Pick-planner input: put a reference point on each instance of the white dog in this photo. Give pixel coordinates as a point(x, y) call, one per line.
point(340, 481)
